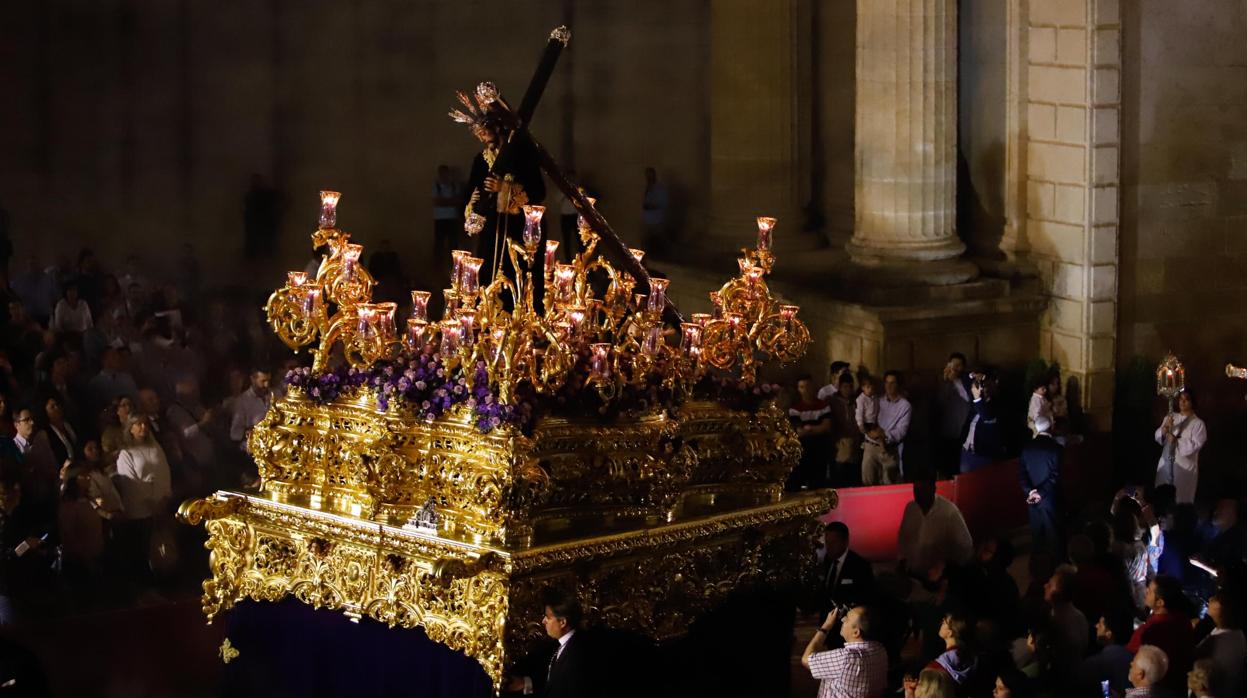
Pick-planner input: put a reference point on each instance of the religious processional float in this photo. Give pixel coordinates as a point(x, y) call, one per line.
point(441, 473)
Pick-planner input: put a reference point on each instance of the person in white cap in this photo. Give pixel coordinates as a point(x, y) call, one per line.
point(1040, 472)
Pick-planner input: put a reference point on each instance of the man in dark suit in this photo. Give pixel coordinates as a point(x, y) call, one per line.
point(568, 673)
point(1039, 472)
point(845, 578)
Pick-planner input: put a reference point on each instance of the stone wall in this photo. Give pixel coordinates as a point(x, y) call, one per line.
point(145, 119)
point(1072, 155)
point(1184, 198)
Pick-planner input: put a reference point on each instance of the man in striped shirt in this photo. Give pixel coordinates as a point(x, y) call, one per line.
point(857, 670)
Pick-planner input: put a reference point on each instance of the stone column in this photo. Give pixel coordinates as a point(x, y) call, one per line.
point(906, 145)
point(754, 163)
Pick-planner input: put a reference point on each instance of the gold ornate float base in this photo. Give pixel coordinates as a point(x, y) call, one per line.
point(485, 601)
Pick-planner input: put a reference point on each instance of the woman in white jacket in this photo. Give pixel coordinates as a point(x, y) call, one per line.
point(1181, 435)
point(144, 483)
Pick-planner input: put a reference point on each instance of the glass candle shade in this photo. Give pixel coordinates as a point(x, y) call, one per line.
point(467, 321)
point(788, 313)
point(456, 266)
point(564, 282)
point(295, 279)
point(766, 226)
point(638, 300)
point(691, 336)
point(736, 321)
point(366, 320)
point(420, 305)
point(415, 333)
point(577, 315)
point(385, 320)
point(350, 257)
point(638, 255)
point(471, 276)
point(657, 300)
point(599, 362)
point(452, 302)
point(653, 340)
point(329, 209)
point(532, 227)
point(310, 301)
point(450, 330)
point(552, 250)
point(701, 319)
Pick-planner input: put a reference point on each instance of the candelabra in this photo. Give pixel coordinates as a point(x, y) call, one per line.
point(592, 315)
point(748, 323)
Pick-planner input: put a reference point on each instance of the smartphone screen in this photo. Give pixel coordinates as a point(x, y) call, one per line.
point(1104, 689)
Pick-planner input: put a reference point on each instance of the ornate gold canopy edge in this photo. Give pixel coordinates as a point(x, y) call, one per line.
point(484, 600)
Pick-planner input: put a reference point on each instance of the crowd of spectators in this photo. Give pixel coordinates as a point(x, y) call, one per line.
point(124, 389)
point(1140, 595)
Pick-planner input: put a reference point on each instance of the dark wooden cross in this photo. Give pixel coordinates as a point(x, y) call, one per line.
point(609, 244)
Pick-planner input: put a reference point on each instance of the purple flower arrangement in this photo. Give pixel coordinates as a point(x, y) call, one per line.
point(421, 382)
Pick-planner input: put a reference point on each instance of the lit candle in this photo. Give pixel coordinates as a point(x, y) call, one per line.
point(451, 330)
point(295, 279)
point(420, 305)
point(765, 226)
point(653, 340)
point(691, 337)
point(788, 313)
point(564, 281)
point(532, 227)
point(456, 269)
point(471, 276)
point(329, 209)
point(311, 300)
point(415, 333)
point(657, 295)
point(735, 320)
point(385, 320)
point(467, 320)
point(365, 316)
point(577, 316)
point(452, 302)
point(599, 361)
point(350, 257)
point(552, 249)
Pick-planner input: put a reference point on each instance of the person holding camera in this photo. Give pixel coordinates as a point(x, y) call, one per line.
point(857, 670)
point(984, 443)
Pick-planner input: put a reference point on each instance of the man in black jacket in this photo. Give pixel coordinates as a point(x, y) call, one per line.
point(568, 673)
point(845, 578)
point(1039, 472)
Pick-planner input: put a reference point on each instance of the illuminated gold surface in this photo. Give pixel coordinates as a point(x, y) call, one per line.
point(485, 601)
point(652, 516)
